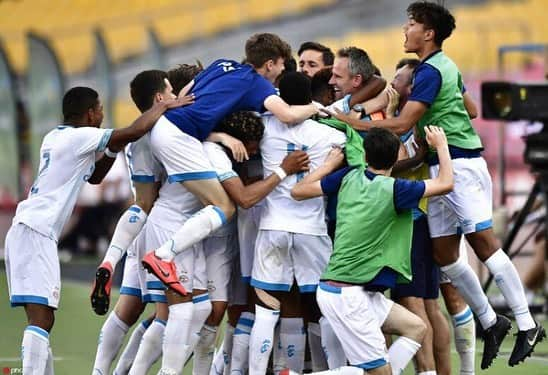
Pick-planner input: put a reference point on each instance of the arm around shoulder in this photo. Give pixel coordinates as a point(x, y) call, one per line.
point(289, 114)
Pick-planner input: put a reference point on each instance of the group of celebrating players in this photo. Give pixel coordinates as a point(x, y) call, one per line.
point(268, 195)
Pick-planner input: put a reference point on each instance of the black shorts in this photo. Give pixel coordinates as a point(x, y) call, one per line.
point(426, 273)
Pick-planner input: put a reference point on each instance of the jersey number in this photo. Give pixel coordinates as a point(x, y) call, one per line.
point(45, 165)
point(226, 66)
point(290, 148)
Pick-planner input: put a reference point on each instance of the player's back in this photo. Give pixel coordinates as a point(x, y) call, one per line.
point(67, 161)
point(224, 87)
point(281, 211)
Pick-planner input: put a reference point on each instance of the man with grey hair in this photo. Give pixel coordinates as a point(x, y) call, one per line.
point(353, 70)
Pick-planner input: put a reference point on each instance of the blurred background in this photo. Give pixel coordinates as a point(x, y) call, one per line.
point(48, 46)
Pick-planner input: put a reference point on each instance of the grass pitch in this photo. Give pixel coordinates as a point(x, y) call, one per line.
point(74, 338)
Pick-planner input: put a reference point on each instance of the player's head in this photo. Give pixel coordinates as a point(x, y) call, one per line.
point(295, 88)
point(352, 69)
point(180, 76)
point(427, 23)
point(245, 126)
point(313, 57)
point(322, 91)
point(381, 148)
point(267, 53)
point(149, 87)
point(82, 107)
point(403, 79)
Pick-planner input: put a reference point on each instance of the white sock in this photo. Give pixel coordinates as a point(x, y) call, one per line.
point(226, 348)
point(465, 280)
point(110, 340)
point(203, 352)
point(49, 363)
point(509, 283)
point(278, 357)
point(150, 348)
point(218, 365)
point(201, 308)
point(176, 337)
point(293, 339)
point(464, 329)
point(261, 338)
point(129, 225)
point(195, 229)
point(331, 345)
point(343, 370)
point(401, 352)
point(239, 362)
point(128, 355)
point(34, 350)
point(319, 363)
point(431, 372)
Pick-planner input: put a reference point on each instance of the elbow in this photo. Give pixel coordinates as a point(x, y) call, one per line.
point(295, 194)
point(448, 187)
point(246, 203)
point(473, 114)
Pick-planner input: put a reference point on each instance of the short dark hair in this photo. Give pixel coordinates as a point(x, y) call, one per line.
point(77, 101)
point(320, 84)
point(295, 88)
point(358, 62)
point(180, 76)
point(328, 56)
point(260, 48)
point(145, 85)
point(243, 125)
point(412, 63)
point(433, 16)
point(381, 148)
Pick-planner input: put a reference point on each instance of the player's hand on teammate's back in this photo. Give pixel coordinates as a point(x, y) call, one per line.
point(180, 102)
point(297, 161)
point(435, 136)
point(335, 158)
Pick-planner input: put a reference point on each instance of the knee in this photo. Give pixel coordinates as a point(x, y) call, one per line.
point(217, 313)
point(229, 209)
point(44, 321)
point(416, 329)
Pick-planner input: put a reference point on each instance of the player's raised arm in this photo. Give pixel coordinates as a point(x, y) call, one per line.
point(309, 186)
point(289, 114)
point(121, 137)
point(443, 183)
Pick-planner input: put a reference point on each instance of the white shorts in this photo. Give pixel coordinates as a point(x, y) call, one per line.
point(153, 289)
point(468, 208)
point(281, 257)
point(32, 267)
point(219, 255)
point(143, 166)
point(463, 254)
point(356, 316)
point(181, 155)
point(131, 284)
point(248, 228)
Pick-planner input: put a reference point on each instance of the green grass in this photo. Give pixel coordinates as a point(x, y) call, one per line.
point(74, 337)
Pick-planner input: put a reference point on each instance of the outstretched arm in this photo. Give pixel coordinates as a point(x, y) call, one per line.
point(121, 137)
point(309, 186)
point(409, 116)
point(248, 196)
point(289, 114)
point(443, 183)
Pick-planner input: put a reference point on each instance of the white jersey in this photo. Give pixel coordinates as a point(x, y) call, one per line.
point(281, 212)
point(67, 161)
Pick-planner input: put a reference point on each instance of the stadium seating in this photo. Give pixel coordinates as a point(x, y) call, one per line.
point(481, 29)
point(69, 24)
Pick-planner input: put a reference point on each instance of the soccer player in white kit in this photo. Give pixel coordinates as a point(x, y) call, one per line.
point(68, 160)
point(292, 242)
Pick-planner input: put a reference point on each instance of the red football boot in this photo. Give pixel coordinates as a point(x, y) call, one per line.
point(165, 271)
